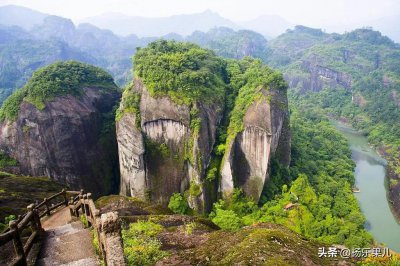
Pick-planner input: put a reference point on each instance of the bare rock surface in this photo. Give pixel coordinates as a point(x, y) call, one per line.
point(66, 141)
point(164, 156)
point(266, 134)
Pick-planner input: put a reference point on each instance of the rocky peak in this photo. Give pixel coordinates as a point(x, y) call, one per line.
point(173, 124)
point(55, 27)
point(68, 133)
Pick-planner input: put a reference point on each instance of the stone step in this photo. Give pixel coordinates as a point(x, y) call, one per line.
point(69, 244)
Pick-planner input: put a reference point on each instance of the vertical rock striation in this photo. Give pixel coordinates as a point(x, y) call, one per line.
point(164, 155)
point(266, 133)
point(186, 107)
point(71, 138)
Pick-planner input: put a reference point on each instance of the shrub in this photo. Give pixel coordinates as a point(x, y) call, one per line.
point(141, 247)
point(9, 218)
point(178, 204)
point(84, 220)
point(6, 160)
point(212, 174)
point(226, 219)
point(194, 189)
point(190, 227)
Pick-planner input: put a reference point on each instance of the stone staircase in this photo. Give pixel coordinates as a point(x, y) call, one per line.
point(66, 242)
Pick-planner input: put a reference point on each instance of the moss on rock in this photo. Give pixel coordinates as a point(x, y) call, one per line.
point(58, 79)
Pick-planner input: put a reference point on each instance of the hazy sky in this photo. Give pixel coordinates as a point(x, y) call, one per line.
point(306, 12)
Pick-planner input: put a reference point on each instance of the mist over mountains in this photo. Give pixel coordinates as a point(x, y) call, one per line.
point(270, 26)
point(31, 39)
point(352, 76)
point(34, 40)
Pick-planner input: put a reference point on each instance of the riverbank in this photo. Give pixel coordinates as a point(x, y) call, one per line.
point(392, 178)
point(371, 178)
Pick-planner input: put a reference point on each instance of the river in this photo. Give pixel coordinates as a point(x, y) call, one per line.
point(370, 174)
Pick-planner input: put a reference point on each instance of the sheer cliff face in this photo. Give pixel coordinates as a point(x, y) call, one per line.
point(67, 140)
point(317, 77)
point(164, 156)
point(266, 133)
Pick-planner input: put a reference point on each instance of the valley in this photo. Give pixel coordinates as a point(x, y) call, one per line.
point(370, 174)
point(215, 146)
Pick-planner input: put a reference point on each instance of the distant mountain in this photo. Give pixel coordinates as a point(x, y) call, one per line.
point(12, 33)
point(19, 57)
point(389, 26)
point(232, 44)
point(353, 76)
point(149, 27)
point(55, 27)
point(269, 25)
point(20, 16)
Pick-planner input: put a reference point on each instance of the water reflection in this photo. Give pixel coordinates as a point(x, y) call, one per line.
point(370, 174)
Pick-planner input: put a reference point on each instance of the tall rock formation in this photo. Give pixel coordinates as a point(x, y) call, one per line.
point(173, 121)
point(163, 154)
point(165, 142)
point(60, 125)
point(265, 134)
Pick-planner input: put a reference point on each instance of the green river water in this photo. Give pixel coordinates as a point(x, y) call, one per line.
point(370, 174)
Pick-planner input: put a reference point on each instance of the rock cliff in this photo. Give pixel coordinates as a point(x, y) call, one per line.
point(266, 134)
point(172, 125)
point(70, 136)
point(163, 154)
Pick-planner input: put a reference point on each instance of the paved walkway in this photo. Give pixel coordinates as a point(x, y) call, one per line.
point(66, 243)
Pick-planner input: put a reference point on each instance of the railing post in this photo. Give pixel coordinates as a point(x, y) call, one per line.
point(81, 202)
point(88, 211)
point(36, 225)
point(97, 227)
point(84, 205)
point(111, 239)
point(71, 202)
point(19, 248)
point(65, 197)
point(46, 203)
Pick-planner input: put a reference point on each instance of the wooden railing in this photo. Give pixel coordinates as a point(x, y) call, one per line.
point(30, 220)
point(106, 227)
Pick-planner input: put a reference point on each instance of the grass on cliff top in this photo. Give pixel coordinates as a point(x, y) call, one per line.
point(129, 206)
point(61, 78)
point(261, 244)
point(195, 243)
point(183, 71)
point(248, 77)
point(17, 192)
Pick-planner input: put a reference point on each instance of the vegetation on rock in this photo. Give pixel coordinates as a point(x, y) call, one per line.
point(248, 77)
point(17, 192)
point(371, 98)
point(178, 204)
point(141, 247)
point(319, 202)
point(183, 71)
point(58, 79)
point(6, 160)
point(130, 104)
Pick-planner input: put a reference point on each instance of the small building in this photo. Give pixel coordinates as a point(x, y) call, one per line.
point(289, 206)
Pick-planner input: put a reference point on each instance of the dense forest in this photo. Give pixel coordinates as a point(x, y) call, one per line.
point(319, 202)
point(351, 77)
